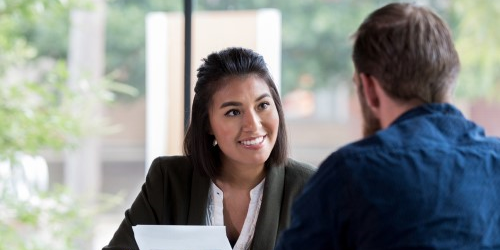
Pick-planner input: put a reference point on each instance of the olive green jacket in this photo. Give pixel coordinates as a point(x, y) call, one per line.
point(176, 194)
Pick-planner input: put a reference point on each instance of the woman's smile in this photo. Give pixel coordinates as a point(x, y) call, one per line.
point(253, 142)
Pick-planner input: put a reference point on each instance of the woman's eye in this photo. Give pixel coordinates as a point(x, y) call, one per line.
point(264, 105)
point(232, 112)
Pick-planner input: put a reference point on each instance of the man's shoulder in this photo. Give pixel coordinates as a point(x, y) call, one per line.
point(359, 148)
point(354, 155)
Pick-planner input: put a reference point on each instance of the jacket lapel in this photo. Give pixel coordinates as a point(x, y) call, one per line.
point(267, 227)
point(200, 186)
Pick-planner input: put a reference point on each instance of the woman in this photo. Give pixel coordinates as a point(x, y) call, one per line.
point(235, 171)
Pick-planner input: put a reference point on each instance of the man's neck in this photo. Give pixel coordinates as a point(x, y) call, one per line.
point(394, 109)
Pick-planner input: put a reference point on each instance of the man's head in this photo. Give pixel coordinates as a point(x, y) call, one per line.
point(409, 51)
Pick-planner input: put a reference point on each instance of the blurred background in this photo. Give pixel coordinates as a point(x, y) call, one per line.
point(75, 142)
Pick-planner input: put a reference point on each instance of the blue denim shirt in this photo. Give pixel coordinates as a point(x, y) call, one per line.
point(431, 180)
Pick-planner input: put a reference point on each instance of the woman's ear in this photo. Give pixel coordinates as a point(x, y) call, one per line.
point(371, 93)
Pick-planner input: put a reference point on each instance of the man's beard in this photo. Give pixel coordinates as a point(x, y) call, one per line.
point(371, 124)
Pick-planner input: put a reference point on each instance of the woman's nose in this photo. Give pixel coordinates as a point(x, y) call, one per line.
point(251, 121)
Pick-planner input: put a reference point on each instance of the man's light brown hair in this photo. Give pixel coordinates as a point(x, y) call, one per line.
point(410, 50)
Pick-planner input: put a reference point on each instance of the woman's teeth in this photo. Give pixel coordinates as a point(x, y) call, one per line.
point(255, 141)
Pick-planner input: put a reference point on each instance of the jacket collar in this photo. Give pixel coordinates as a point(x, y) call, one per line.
point(200, 186)
point(268, 222)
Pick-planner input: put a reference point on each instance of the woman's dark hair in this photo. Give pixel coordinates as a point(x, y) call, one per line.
point(216, 68)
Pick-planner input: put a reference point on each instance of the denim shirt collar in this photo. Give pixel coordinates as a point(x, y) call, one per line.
point(426, 109)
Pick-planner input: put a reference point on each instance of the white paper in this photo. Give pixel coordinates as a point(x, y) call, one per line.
point(163, 237)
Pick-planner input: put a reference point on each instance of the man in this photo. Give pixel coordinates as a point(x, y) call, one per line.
point(424, 177)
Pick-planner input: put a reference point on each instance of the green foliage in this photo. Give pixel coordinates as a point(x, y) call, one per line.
point(47, 221)
point(37, 107)
point(29, 8)
point(125, 45)
point(125, 40)
point(56, 220)
point(33, 115)
point(318, 44)
point(477, 36)
point(315, 35)
point(37, 111)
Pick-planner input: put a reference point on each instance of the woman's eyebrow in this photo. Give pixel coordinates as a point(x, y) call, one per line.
point(230, 103)
point(234, 103)
point(262, 97)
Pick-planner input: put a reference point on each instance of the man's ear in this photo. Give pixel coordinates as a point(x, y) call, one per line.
point(371, 88)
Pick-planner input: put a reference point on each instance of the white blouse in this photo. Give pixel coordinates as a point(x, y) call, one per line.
point(215, 215)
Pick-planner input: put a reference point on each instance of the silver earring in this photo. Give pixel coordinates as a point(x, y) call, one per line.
point(214, 143)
